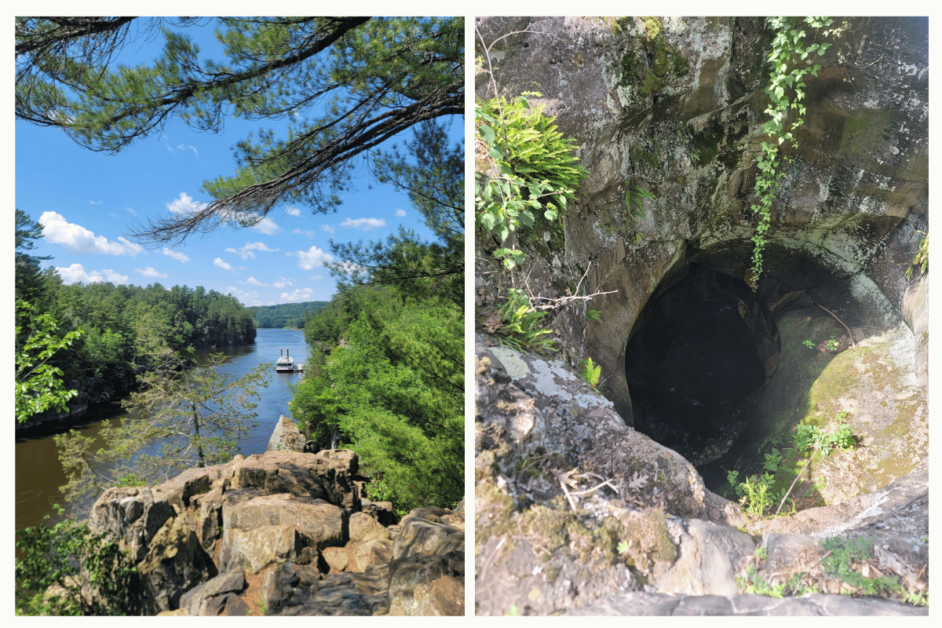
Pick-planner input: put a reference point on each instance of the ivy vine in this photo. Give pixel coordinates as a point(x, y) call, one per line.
point(786, 91)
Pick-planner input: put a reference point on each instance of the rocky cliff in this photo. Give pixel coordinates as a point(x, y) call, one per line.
point(283, 533)
point(578, 504)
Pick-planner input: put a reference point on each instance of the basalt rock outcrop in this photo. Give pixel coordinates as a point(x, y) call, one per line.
point(282, 533)
point(578, 508)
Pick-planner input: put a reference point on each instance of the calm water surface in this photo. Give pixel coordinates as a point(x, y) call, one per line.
point(39, 473)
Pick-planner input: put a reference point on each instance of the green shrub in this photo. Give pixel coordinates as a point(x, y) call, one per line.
point(93, 574)
point(533, 170)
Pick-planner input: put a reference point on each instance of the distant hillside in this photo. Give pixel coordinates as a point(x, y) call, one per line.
point(285, 315)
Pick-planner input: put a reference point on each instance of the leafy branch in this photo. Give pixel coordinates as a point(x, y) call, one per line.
point(786, 91)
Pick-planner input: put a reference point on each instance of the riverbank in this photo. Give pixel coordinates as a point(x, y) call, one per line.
point(38, 470)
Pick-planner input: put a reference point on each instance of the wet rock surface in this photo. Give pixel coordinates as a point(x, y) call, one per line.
point(282, 533)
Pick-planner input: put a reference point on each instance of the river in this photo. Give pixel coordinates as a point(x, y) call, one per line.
point(39, 473)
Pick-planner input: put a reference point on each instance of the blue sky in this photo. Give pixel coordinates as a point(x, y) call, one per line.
point(88, 203)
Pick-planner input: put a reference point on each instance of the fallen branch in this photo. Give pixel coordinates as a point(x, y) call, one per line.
point(849, 334)
point(554, 303)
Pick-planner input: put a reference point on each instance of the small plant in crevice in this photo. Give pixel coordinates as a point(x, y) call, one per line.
point(634, 202)
point(757, 492)
point(809, 344)
point(921, 258)
point(520, 325)
point(849, 560)
point(590, 372)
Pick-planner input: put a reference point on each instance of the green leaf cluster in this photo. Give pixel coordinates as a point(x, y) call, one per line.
point(590, 372)
point(531, 170)
point(90, 574)
point(786, 92)
point(843, 554)
point(39, 385)
point(521, 325)
point(812, 438)
point(635, 197)
point(921, 258)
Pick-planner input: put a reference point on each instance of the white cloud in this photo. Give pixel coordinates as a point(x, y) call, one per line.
point(246, 251)
point(312, 258)
point(293, 211)
point(267, 226)
point(186, 146)
point(247, 298)
point(185, 205)
point(301, 294)
point(283, 282)
point(327, 228)
point(94, 203)
point(256, 282)
point(180, 257)
point(133, 213)
point(401, 213)
point(364, 224)
point(313, 277)
point(76, 274)
point(150, 272)
point(58, 230)
point(309, 233)
point(221, 264)
point(348, 267)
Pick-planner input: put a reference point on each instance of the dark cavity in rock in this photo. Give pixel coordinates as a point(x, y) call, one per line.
point(697, 359)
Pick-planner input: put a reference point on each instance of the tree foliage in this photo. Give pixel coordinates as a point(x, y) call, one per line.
point(90, 575)
point(39, 385)
point(181, 417)
point(285, 314)
point(392, 387)
point(344, 84)
point(432, 174)
point(29, 282)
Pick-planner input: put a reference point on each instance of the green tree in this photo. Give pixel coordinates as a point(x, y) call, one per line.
point(394, 388)
point(29, 283)
point(181, 417)
point(39, 384)
point(432, 174)
point(346, 84)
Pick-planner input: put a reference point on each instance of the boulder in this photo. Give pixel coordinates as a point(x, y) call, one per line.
point(216, 596)
point(175, 563)
point(286, 436)
point(421, 535)
point(326, 475)
point(427, 585)
point(132, 515)
point(271, 529)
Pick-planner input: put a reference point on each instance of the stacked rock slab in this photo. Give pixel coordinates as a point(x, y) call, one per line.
point(282, 533)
